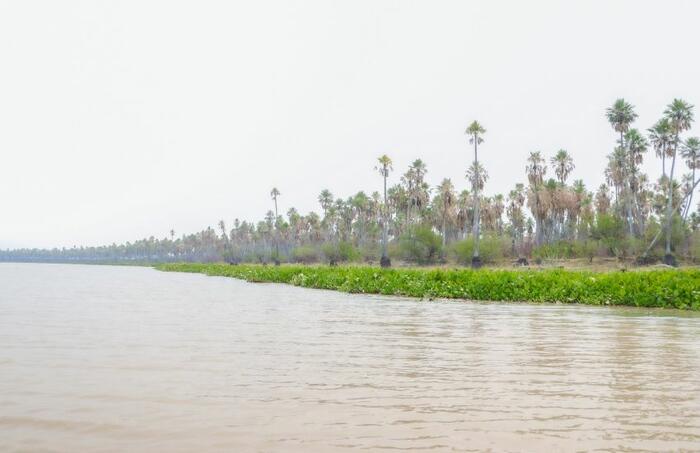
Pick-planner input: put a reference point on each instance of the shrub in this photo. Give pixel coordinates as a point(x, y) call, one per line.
point(660, 288)
point(340, 252)
point(610, 231)
point(370, 253)
point(491, 249)
point(695, 246)
point(565, 250)
point(420, 245)
point(305, 254)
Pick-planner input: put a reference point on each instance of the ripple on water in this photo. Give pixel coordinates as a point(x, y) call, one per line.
point(117, 358)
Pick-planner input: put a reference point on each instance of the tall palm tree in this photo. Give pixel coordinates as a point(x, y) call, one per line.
point(475, 132)
point(691, 153)
point(616, 173)
point(680, 116)
point(620, 116)
point(636, 148)
point(417, 189)
point(222, 228)
point(446, 193)
point(464, 214)
point(224, 237)
point(384, 167)
point(274, 193)
point(563, 165)
point(661, 139)
point(514, 211)
point(536, 170)
point(325, 198)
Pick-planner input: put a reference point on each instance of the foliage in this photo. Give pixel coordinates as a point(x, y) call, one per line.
point(695, 247)
point(370, 253)
point(491, 249)
point(420, 245)
point(610, 231)
point(566, 250)
point(631, 214)
point(305, 254)
point(340, 252)
point(658, 288)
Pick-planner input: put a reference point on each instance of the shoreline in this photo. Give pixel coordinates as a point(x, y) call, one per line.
point(674, 289)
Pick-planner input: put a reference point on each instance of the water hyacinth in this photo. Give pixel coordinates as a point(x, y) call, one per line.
point(658, 288)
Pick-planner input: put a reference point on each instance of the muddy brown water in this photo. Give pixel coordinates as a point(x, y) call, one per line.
point(101, 358)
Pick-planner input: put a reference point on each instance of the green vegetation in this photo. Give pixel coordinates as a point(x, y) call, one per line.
point(420, 245)
point(491, 250)
point(659, 288)
point(633, 217)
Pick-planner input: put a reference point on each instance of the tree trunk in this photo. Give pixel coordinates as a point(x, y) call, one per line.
point(539, 227)
point(669, 205)
point(444, 230)
point(628, 189)
point(408, 206)
point(663, 162)
point(384, 230)
point(476, 202)
point(690, 200)
point(277, 240)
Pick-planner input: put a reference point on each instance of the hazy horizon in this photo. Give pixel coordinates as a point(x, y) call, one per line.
point(125, 120)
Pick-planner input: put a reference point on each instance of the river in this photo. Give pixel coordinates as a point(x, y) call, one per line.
point(103, 358)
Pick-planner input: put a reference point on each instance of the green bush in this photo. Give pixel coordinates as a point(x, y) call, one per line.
point(566, 250)
point(420, 245)
point(370, 253)
point(491, 249)
point(694, 246)
point(659, 288)
point(610, 231)
point(340, 252)
point(305, 254)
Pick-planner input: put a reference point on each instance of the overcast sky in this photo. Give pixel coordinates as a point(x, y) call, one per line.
point(124, 119)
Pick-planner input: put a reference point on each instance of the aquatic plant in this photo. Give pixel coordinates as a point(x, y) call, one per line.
point(653, 288)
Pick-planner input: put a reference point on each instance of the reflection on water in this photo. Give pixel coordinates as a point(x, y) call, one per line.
point(114, 359)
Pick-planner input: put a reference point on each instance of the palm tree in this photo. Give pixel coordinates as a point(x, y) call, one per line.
point(691, 154)
point(384, 167)
point(416, 188)
point(224, 237)
point(475, 132)
point(514, 211)
point(536, 170)
point(326, 200)
point(464, 214)
point(274, 193)
point(563, 165)
point(446, 194)
point(661, 139)
point(680, 116)
point(636, 148)
point(620, 116)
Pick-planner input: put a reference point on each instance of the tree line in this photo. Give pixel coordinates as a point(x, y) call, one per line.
point(631, 215)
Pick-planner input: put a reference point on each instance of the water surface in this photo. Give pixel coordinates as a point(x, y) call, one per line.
point(99, 358)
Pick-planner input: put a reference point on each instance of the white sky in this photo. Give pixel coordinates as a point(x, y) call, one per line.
point(123, 119)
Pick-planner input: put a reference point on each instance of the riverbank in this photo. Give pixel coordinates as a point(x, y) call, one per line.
point(651, 288)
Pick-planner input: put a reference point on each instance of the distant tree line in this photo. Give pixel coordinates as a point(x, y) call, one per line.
point(547, 216)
